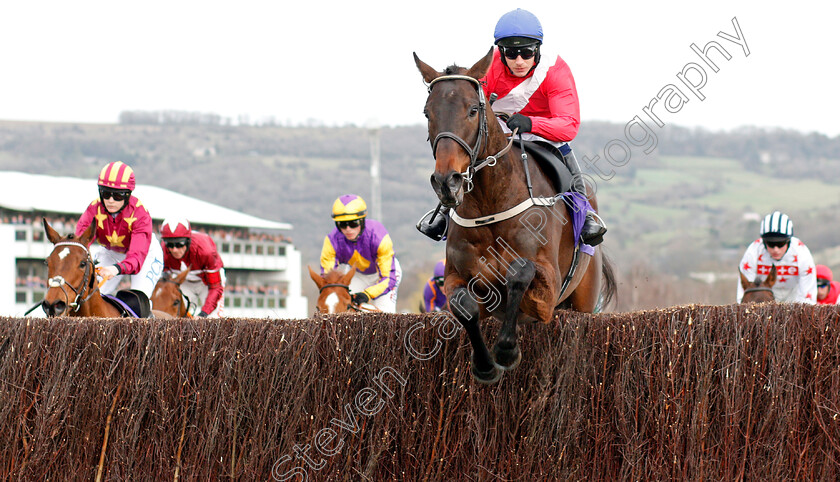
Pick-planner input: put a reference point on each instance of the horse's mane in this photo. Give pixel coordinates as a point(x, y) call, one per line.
point(333, 275)
point(454, 69)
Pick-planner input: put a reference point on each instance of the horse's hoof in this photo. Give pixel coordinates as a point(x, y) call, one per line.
point(507, 359)
point(486, 378)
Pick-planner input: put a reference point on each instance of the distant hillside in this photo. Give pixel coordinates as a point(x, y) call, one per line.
point(677, 208)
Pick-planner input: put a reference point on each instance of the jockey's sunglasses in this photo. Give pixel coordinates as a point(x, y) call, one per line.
point(438, 280)
point(175, 244)
point(347, 224)
point(775, 244)
point(823, 283)
point(115, 195)
point(524, 52)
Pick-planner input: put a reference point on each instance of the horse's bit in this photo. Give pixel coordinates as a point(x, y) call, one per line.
point(58, 281)
point(483, 133)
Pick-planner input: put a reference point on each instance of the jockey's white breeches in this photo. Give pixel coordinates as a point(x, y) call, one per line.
point(386, 302)
point(144, 280)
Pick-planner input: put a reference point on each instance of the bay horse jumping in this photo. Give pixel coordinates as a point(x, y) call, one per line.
point(72, 288)
point(333, 290)
point(758, 291)
point(501, 268)
point(168, 297)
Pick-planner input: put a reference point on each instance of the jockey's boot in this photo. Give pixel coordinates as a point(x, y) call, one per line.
point(593, 228)
point(435, 223)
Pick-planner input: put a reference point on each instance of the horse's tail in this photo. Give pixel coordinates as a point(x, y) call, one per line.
point(609, 289)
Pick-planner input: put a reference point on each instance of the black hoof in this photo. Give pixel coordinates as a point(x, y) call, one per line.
point(486, 378)
point(507, 359)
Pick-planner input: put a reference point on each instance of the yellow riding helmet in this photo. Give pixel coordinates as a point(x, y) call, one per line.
point(349, 207)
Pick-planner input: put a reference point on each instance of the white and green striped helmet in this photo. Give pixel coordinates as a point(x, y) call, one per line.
point(776, 226)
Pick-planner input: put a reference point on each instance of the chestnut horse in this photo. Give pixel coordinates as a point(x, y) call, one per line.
point(333, 290)
point(501, 268)
point(758, 291)
point(72, 289)
point(168, 297)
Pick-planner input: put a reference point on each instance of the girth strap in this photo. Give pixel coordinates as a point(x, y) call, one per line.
point(507, 214)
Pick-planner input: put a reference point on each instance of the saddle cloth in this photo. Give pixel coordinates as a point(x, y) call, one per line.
point(546, 156)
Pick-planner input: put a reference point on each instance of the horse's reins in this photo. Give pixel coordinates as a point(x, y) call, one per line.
point(58, 281)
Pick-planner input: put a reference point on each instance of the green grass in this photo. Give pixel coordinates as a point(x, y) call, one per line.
point(729, 187)
point(692, 195)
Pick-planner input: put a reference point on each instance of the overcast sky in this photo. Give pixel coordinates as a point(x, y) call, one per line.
point(341, 62)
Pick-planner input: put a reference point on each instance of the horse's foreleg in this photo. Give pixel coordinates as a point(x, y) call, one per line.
point(465, 309)
point(506, 351)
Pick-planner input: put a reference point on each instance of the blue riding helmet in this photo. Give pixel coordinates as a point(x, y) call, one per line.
point(518, 23)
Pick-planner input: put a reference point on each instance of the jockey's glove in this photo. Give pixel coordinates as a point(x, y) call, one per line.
point(520, 121)
point(202, 314)
point(359, 298)
point(108, 272)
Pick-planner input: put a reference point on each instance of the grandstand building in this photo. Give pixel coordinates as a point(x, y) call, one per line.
point(262, 267)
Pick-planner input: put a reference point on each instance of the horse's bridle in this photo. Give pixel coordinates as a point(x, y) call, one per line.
point(334, 285)
point(181, 293)
point(351, 305)
point(482, 137)
point(337, 285)
point(758, 288)
point(58, 281)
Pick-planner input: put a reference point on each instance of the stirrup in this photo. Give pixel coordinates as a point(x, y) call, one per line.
point(596, 237)
point(436, 229)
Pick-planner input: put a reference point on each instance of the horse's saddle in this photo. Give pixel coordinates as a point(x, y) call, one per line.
point(546, 156)
point(131, 303)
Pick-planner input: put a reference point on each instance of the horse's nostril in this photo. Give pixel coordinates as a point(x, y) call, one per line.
point(437, 180)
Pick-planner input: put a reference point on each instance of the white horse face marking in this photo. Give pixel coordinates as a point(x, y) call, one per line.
point(63, 253)
point(331, 302)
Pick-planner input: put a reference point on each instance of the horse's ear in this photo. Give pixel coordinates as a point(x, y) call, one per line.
point(87, 236)
point(771, 278)
point(52, 234)
point(745, 283)
point(346, 277)
point(429, 74)
point(182, 276)
point(479, 70)
point(318, 279)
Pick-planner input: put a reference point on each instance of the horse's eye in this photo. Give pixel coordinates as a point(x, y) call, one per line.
point(473, 111)
point(83, 264)
point(177, 302)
